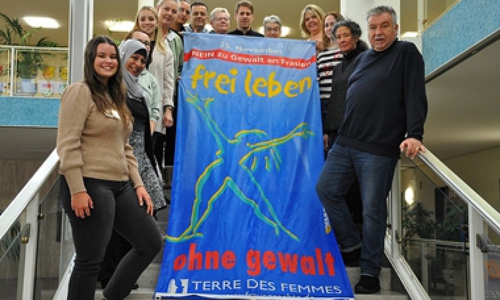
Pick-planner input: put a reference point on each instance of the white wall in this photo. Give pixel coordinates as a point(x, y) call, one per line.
point(356, 11)
point(481, 171)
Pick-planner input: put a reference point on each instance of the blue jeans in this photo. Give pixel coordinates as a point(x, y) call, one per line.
point(115, 206)
point(375, 174)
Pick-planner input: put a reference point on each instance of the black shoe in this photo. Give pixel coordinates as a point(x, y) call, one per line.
point(136, 286)
point(351, 259)
point(367, 285)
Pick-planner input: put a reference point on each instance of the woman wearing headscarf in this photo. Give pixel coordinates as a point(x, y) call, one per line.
point(133, 56)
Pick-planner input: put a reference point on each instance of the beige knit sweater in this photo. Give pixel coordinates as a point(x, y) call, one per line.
point(92, 144)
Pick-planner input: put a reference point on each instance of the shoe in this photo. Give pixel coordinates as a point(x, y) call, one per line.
point(367, 285)
point(351, 259)
point(136, 286)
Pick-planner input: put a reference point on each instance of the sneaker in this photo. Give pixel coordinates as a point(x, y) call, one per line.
point(351, 259)
point(367, 285)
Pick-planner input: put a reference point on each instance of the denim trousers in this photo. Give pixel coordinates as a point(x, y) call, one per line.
point(375, 174)
point(115, 206)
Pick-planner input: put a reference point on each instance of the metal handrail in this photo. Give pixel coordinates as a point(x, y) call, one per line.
point(489, 214)
point(436, 242)
point(28, 193)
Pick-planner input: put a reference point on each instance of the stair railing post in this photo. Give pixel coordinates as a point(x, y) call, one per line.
point(476, 257)
point(31, 242)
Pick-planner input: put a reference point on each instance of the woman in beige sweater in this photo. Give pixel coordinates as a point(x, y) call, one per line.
point(101, 188)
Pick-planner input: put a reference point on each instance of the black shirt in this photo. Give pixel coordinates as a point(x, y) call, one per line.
point(386, 100)
point(249, 33)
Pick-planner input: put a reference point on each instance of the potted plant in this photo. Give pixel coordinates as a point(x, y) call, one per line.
point(417, 221)
point(29, 61)
point(444, 265)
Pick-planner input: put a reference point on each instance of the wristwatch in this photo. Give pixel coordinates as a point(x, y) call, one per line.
point(168, 107)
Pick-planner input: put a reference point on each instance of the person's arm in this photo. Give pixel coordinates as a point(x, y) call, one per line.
point(168, 86)
point(414, 93)
point(180, 55)
point(415, 102)
point(150, 87)
point(76, 106)
point(74, 110)
point(155, 103)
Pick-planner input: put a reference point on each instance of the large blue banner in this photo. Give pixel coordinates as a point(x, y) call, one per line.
point(245, 221)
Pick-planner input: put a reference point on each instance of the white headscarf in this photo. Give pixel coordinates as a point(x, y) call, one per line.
point(127, 49)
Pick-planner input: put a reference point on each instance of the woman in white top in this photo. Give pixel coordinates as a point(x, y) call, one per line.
point(161, 65)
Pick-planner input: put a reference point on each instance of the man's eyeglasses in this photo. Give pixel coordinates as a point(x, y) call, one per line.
point(272, 29)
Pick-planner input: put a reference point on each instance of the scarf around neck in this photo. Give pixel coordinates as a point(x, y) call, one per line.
point(127, 49)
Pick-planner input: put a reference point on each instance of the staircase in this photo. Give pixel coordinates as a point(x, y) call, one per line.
point(147, 281)
point(147, 284)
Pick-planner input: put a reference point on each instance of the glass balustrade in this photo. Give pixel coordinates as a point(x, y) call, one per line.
point(489, 242)
point(54, 250)
point(434, 237)
point(11, 262)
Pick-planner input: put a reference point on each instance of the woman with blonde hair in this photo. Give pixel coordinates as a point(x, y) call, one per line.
point(311, 26)
point(168, 10)
point(161, 65)
point(312, 20)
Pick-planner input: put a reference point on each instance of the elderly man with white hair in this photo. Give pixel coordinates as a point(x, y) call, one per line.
point(272, 26)
point(220, 20)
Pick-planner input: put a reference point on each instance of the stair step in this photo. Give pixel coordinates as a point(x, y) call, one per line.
point(149, 277)
point(147, 281)
point(147, 294)
point(385, 277)
point(383, 295)
point(147, 285)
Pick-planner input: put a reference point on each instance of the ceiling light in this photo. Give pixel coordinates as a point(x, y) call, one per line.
point(41, 22)
point(119, 26)
point(285, 30)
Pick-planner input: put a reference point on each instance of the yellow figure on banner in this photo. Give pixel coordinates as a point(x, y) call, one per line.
point(245, 178)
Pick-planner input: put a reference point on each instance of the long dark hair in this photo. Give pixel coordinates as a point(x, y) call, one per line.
point(105, 96)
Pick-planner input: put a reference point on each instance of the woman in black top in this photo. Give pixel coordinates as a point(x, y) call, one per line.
point(347, 34)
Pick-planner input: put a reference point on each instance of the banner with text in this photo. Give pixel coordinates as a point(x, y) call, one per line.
point(245, 221)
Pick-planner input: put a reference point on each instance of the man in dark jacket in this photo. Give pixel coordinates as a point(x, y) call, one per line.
point(384, 115)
